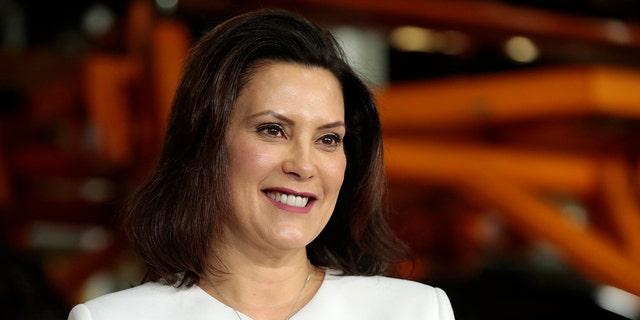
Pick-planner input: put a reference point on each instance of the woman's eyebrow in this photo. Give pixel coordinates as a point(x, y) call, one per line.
point(273, 114)
point(332, 125)
point(291, 122)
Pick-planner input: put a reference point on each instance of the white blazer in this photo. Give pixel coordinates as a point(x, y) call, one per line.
point(339, 298)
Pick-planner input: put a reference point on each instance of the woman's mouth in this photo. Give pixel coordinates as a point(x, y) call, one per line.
point(288, 199)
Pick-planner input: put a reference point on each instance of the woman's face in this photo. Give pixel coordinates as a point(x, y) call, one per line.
point(286, 156)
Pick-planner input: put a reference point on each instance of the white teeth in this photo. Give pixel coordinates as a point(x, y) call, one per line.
point(300, 202)
point(291, 200)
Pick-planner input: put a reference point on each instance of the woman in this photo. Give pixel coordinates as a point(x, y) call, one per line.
point(267, 201)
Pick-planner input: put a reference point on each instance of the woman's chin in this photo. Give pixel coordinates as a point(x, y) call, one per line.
point(291, 239)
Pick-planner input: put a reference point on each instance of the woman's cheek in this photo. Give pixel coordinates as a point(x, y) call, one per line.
point(258, 157)
point(337, 167)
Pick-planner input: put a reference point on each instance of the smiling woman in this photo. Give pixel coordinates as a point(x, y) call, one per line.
point(268, 198)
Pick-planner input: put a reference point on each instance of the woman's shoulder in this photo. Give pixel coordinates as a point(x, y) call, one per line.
point(376, 284)
point(150, 291)
point(147, 301)
point(380, 297)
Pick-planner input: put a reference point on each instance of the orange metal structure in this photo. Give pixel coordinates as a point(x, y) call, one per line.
point(512, 178)
point(525, 95)
point(151, 66)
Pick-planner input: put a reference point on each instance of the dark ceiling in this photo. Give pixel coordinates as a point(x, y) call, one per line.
point(44, 19)
point(56, 25)
point(628, 10)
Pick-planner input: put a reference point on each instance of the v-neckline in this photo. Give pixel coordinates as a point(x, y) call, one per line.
point(293, 317)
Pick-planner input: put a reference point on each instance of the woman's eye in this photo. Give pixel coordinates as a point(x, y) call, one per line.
point(331, 140)
point(271, 130)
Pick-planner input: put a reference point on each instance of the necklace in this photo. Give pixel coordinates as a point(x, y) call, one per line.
point(293, 307)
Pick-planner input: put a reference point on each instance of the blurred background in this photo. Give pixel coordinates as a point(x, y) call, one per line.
point(511, 136)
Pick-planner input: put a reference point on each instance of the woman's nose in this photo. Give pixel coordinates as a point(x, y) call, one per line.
point(299, 162)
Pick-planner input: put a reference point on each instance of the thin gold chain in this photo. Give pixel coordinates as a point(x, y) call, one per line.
point(293, 307)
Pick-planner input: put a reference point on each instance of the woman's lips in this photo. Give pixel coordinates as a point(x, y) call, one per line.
point(290, 201)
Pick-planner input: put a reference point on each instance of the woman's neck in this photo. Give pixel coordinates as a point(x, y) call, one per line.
point(265, 288)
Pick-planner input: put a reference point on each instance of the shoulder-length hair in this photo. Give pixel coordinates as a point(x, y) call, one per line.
point(175, 219)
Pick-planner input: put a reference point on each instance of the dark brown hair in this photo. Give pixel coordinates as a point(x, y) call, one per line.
point(175, 219)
